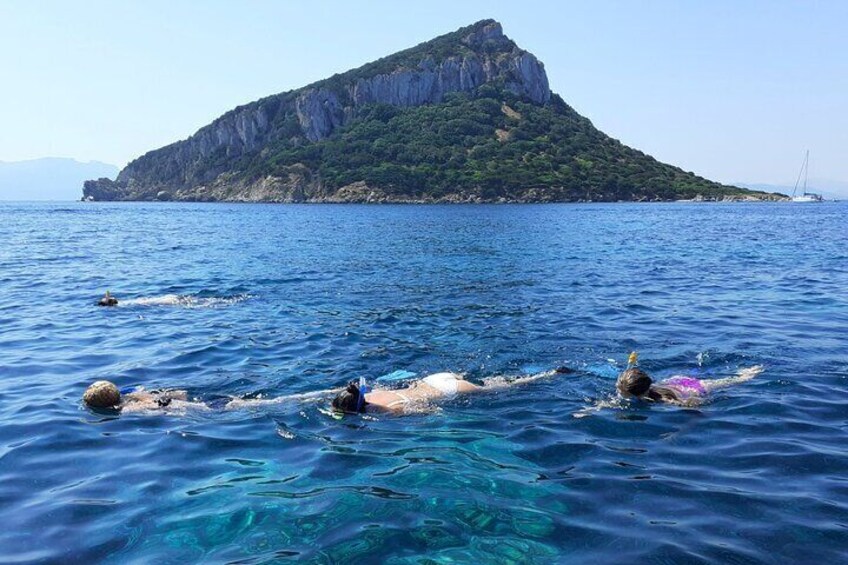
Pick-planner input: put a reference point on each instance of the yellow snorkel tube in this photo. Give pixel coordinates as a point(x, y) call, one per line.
point(632, 360)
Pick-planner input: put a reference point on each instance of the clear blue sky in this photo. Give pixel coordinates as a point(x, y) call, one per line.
point(732, 90)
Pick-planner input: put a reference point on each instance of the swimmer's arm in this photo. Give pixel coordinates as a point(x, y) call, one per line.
point(742, 376)
point(238, 403)
point(597, 406)
point(175, 395)
point(140, 394)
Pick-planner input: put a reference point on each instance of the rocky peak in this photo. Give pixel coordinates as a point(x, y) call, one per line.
point(458, 62)
point(483, 31)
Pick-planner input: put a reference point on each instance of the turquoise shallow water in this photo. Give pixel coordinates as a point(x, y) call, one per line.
point(283, 299)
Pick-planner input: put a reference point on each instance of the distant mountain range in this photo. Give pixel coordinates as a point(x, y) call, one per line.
point(50, 178)
point(466, 117)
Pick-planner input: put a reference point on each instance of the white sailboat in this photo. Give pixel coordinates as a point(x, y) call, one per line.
point(804, 196)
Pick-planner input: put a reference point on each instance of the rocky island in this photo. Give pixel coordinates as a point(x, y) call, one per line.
point(466, 117)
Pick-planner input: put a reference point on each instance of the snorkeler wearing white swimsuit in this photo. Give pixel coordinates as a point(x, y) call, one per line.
point(358, 397)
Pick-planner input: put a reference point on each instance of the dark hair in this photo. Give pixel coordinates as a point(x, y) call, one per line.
point(664, 394)
point(634, 381)
point(350, 399)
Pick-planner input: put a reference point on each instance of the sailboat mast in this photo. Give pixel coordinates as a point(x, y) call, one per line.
point(798, 180)
point(806, 170)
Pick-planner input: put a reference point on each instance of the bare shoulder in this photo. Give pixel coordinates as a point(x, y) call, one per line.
point(138, 397)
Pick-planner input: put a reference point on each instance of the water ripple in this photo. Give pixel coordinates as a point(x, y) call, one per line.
point(269, 300)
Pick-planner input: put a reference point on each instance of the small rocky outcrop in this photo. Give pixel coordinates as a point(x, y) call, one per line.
point(102, 189)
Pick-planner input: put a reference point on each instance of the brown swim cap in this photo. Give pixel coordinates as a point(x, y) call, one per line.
point(102, 394)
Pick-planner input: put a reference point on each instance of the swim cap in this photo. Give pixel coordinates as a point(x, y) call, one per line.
point(102, 394)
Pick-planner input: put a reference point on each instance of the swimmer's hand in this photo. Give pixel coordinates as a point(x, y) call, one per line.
point(743, 375)
point(749, 373)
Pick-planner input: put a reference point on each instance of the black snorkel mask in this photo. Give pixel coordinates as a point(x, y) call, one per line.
point(338, 414)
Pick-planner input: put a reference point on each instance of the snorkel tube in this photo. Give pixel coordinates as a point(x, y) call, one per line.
point(107, 300)
point(363, 389)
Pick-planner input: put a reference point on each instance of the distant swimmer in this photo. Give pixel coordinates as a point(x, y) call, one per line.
point(107, 300)
point(681, 390)
point(357, 397)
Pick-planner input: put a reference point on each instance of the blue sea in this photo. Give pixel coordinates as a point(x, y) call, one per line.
point(269, 300)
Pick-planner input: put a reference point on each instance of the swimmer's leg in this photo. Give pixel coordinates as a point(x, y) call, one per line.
point(503, 382)
point(463, 386)
point(742, 376)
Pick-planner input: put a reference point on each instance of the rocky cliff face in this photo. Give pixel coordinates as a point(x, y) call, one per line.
point(478, 55)
point(320, 111)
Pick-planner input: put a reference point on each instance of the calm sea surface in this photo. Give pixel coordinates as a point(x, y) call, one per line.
point(268, 299)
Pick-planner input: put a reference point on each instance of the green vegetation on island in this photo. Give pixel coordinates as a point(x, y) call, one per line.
point(490, 145)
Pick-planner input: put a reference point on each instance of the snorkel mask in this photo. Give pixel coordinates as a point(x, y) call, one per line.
point(339, 413)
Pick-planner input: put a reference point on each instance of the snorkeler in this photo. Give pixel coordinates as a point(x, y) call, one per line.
point(105, 395)
point(682, 390)
point(107, 300)
point(357, 397)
